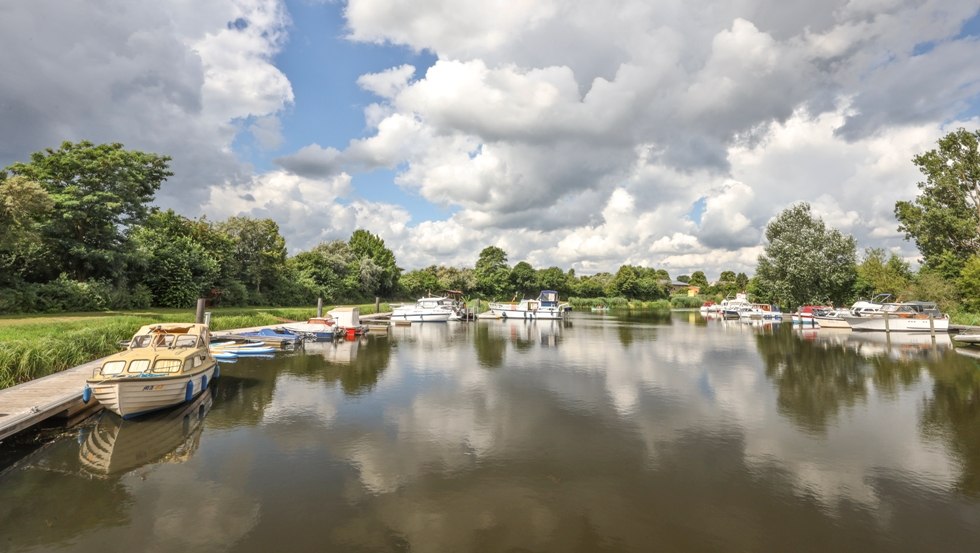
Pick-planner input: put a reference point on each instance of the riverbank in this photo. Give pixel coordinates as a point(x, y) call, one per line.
point(32, 347)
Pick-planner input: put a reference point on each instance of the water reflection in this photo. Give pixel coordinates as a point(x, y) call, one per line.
point(116, 446)
point(609, 433)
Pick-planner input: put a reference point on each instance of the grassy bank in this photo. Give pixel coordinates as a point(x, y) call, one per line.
point(36, 346)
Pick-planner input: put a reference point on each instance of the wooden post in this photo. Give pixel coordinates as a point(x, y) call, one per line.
point(887, 326)
point(932, 327)
point(199, 316)
point(377, 304)
point(319, 307)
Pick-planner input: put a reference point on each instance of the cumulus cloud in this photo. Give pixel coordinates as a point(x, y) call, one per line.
point(172, 78)
point(534, 125)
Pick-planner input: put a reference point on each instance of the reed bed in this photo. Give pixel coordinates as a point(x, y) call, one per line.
point(38, 346)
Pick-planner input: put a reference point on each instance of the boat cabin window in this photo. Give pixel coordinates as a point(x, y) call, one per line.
point(186, 341)
point(142, 341)
point(113, 367)
point(164, 340)
point(138, 365)
point(166, 366)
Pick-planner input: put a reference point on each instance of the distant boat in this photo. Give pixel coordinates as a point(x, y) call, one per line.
point(546, 306)
point(436, 309)
point(600, 308)
point(165, 365)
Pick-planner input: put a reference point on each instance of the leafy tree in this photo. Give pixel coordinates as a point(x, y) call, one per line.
point(523, 279)
point(594, 286)
point(259, 248)
point(491, 272)
point(684, 278)
point(969, 284)
point(24, 207)
point(804, 261)
point(99, 192)
point(452, 278)
point(378, 271)
point(742, 281)
point(698, 278)
point(327, 266)
point(944, 219)
point(420, 282)
point(553, 278)
point(727, 276)
point(626, 282)
point(175, 266)
point(878, 275)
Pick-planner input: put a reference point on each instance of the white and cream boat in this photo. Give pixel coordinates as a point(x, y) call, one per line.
point(164, 365)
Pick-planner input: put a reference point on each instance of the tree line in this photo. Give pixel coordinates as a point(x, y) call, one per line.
point(78, 232)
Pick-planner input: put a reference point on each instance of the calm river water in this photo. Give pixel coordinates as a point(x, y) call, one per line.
point(618, 432)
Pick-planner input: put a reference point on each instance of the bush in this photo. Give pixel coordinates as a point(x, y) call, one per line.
point(686, 302)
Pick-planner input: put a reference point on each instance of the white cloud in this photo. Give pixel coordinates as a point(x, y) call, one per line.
point(534, 126)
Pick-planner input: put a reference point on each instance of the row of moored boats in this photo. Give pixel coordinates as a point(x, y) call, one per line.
point(878, 314)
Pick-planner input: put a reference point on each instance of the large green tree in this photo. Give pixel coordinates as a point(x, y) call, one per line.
point(523, 279)
point(376, 269)
point(944, 219)
point(327, 265)
point(259, 249)
point(492, 273)
point(804, 261)
point(881, 274)
point(100, 192)
point(24, 207)
point(176, 267)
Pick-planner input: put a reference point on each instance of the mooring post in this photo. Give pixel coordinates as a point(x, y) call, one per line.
point(887, 326)
point(199, 316)
point(932, 327)
point(377, 304)
point(319, 307)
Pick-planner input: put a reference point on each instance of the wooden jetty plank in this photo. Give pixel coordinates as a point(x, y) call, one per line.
point(30, 403)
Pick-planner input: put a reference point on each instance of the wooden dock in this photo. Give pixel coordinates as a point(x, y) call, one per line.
point(55, 395)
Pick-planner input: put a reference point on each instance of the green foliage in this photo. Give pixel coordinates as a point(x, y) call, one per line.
point(420, 282)
point(686, 302)
point(876, 275)
point(804, 262)
point(933, 286)
point(553, 278)
point(492, 273)
point(378, 274)
point(99, 193)
point(173, 264)
point(698, 278)
point(969, 284)
point(24, 207)
point(258, 247)
point(523, 279)
point(944, 219)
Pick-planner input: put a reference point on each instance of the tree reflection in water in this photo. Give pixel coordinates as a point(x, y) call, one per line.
point(952, 415)
point(356, 364)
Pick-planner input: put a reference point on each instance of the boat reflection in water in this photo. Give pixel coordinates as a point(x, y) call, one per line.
point(896, 345)
point(117, 446)
point(545, 333)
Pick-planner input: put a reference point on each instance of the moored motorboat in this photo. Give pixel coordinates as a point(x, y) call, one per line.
point(546, 306)
point(275, 337)
point(912, 316)
point(165, 365)
point(830, 319)
point(321, 328)
point(435, 309)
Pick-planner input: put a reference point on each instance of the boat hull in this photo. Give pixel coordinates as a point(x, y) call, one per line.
point(900, 324)
point(318, 331)
point(413, 316)
point(542, 313)
point(831, 322)
point(134, 396)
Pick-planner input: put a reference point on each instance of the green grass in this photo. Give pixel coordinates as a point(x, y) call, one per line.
point(36, 345)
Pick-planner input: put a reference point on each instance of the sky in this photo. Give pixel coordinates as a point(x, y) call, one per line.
point(571, 133)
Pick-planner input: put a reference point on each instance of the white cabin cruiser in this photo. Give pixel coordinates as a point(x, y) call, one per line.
point(546, 306)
